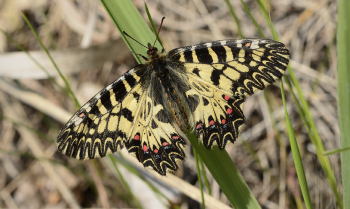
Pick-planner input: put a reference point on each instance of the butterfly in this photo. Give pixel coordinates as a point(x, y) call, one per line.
point(200, 87)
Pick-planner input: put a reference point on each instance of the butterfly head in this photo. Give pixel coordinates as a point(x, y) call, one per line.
point(152, 51)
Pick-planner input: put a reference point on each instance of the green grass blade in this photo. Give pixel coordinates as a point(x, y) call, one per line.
point(199, 176)
point(234, 17)
point(315, 137)
point(267, 18)
point(205, 176)
point(343, 50)
point(226, 174)
point(336, 151)
point(252, 18)
point(152, 24)
point(296, 155)
point(126, 18)
point(53, 62)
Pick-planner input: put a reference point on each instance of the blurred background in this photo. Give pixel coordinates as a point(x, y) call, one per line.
point(89, 51)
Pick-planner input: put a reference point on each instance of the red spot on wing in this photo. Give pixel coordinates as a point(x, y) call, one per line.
point(198, 126)
point(247, 45)
point(145, 148)
point(175, 137)
point(227, 97)
point(223, 121)
point(81, 115)
point(137, 137)
point(155, 151)
point(165, 144)
point(211, 122)
point(229, 111)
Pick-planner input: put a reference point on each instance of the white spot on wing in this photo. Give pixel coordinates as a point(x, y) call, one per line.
point(208, 44)
point(223, 42)
point(77, 122)
point(254, 44)
point(98, 96)
point(85, 106)
point(131, 71)
point(109, 87)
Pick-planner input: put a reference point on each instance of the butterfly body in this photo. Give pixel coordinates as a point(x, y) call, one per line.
point(200, 87)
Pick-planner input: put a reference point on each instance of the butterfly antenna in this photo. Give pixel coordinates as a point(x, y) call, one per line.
point(161, 23)
point(134, 39)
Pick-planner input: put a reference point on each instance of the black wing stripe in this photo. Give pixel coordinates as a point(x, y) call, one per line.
point(220, 52)
point(203, 55)
point(188, 56)
point(120, 91)
point(106, 100)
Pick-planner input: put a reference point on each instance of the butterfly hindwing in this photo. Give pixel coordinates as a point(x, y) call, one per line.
point(218, 117)
point(153, 138)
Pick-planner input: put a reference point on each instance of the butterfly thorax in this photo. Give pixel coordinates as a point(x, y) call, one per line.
point(158, 67)
point(165, 82)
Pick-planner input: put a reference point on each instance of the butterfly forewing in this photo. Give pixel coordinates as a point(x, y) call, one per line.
point(239, 67)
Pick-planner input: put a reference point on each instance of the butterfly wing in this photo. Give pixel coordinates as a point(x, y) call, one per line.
point(100, 126)
point(221, 74)
point(125, 113)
